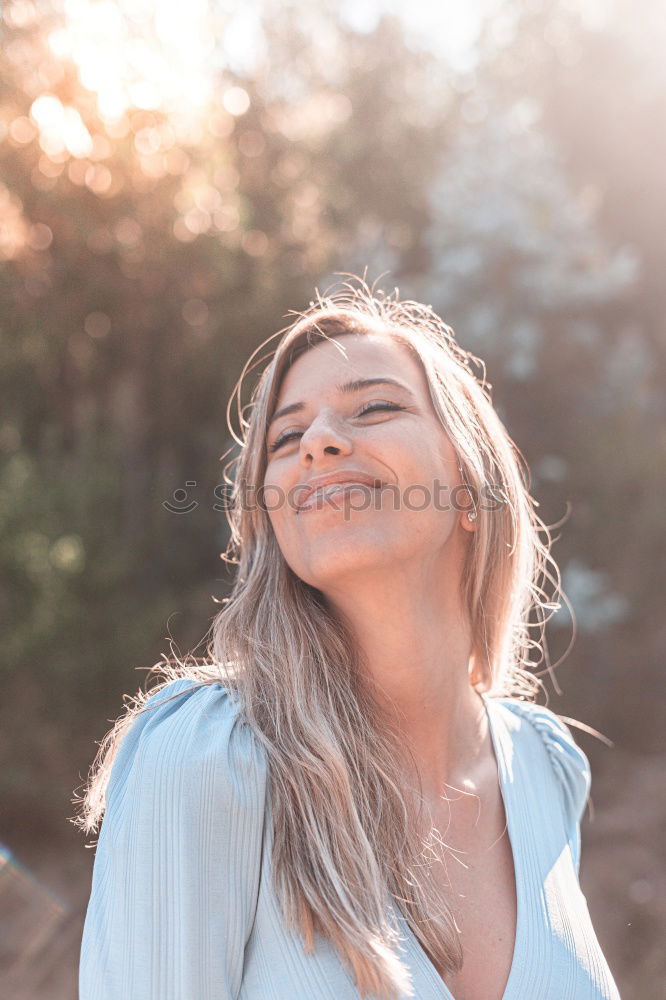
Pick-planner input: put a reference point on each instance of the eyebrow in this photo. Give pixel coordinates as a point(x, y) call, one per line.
point(346, 387)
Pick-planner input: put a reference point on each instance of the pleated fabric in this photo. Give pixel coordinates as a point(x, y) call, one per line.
point(182, 905)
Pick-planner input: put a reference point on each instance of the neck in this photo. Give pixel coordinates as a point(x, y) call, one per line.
point(415, 647)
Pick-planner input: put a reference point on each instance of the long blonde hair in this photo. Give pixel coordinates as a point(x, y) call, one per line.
point(347, 836)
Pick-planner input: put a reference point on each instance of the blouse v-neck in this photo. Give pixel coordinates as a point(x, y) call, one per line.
point(186, 850)
point(508, 790)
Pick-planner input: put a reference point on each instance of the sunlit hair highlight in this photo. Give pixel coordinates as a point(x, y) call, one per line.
point(350, 842)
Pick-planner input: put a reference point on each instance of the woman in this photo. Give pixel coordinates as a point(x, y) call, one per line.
point(349, 797)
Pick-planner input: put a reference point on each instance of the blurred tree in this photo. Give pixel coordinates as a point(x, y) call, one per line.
point(546, 266)
point(145, 255)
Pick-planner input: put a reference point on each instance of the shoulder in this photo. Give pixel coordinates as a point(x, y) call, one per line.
point(178, 865)
point(567, 760)
point(189, 740)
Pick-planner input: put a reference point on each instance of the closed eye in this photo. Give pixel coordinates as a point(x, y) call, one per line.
point(368, 408)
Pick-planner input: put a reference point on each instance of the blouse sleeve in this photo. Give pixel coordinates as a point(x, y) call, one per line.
point(571, 767)
point(176, 871)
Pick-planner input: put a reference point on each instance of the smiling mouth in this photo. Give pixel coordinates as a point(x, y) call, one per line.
point(323, 497)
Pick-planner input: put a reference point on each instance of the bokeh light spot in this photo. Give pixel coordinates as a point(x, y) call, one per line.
point(195, 312)
point(236, 101)
point(254, 242)
point(68, 554)
point(22, 131)
point(40, 236)
point(97, 325)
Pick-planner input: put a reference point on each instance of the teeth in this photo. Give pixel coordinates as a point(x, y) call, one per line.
point(327, 491)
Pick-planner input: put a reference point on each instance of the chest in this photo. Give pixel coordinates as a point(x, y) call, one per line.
point(482, 897)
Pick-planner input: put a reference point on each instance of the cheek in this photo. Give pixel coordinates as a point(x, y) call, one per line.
point(275, 497)
point(279, 503)
point(277, 516)
point(422, 464)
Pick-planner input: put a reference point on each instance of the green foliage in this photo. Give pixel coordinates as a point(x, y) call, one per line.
point(144, 256)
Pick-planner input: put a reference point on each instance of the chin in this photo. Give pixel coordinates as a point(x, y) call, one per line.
point(331, 558)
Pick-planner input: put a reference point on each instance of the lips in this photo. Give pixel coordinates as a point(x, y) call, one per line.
point(348, 477)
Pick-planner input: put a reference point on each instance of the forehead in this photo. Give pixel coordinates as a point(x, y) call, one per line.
point(352, 355)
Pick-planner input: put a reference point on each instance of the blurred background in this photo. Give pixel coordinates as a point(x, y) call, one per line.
point(173, 180)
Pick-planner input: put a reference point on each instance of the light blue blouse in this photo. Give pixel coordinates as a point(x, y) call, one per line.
point(182, 906)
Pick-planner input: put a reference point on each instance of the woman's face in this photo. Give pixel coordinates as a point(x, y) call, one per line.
point(384, 432)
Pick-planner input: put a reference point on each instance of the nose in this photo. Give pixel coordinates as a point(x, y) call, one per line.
point(324, 436)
